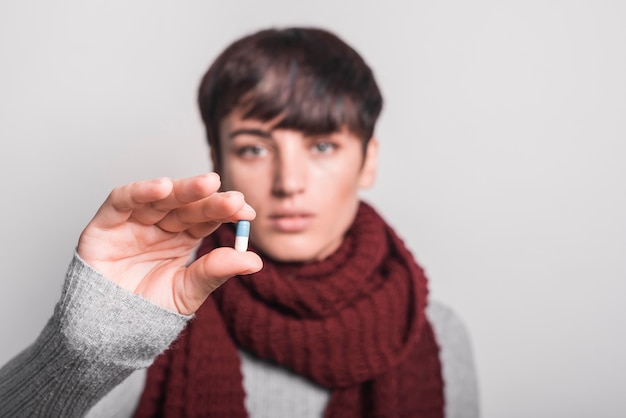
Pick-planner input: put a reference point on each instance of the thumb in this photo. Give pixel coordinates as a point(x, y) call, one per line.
point(212, 270)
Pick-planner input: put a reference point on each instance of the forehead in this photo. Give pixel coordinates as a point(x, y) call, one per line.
point(233, 125)
point(236, 120)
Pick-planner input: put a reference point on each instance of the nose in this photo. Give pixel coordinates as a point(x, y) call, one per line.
point(289, 174)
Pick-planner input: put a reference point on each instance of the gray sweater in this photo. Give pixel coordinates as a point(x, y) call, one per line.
point(91, 357)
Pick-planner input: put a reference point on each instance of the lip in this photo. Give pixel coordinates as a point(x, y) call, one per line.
point(291, 221)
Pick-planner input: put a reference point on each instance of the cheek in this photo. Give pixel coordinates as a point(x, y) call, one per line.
point(235, 176)
point(251, 184)
point(337, 201)
point(337, 180)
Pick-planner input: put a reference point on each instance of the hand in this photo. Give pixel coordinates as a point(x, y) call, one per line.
point(144, 234)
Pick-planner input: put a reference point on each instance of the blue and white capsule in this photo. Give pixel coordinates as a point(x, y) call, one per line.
point(242, 235)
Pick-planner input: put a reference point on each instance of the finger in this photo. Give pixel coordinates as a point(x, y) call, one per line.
point(190, 189)
point(209, 272)
point(121, 202)
point(201, 230)
point(211, 211)
point(184, 191)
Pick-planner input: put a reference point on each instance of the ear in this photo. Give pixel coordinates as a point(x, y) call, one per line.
point(370, 165)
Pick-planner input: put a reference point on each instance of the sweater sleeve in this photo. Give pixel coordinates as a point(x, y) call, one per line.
point(98, 335)
point(457, 361)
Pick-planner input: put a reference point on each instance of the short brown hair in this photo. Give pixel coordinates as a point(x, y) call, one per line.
point(312, 79)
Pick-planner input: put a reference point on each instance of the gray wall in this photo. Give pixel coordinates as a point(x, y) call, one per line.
point(503, 160)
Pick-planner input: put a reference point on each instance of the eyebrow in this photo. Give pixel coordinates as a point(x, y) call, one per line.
point(256, 132)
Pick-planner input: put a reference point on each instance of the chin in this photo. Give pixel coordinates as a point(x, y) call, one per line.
point(292, 250)
point(290, 255)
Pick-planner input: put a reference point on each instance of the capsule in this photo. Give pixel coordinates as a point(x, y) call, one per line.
point(242, 235)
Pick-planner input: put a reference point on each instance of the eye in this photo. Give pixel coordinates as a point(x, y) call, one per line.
point(324, 147)
point(251, 151)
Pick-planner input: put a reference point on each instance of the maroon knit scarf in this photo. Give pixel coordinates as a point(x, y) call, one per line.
point(354, 323)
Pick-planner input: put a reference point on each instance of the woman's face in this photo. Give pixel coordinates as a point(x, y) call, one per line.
point(304, 188)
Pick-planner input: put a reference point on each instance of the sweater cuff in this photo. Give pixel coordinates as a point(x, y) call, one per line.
point(99, 334)
point(103, 321)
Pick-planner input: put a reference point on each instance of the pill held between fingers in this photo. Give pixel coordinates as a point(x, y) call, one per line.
point(241, 236)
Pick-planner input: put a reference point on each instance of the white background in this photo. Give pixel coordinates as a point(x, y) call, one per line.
point(503, 160)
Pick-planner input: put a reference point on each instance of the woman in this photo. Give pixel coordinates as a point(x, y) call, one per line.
point(327, 313)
